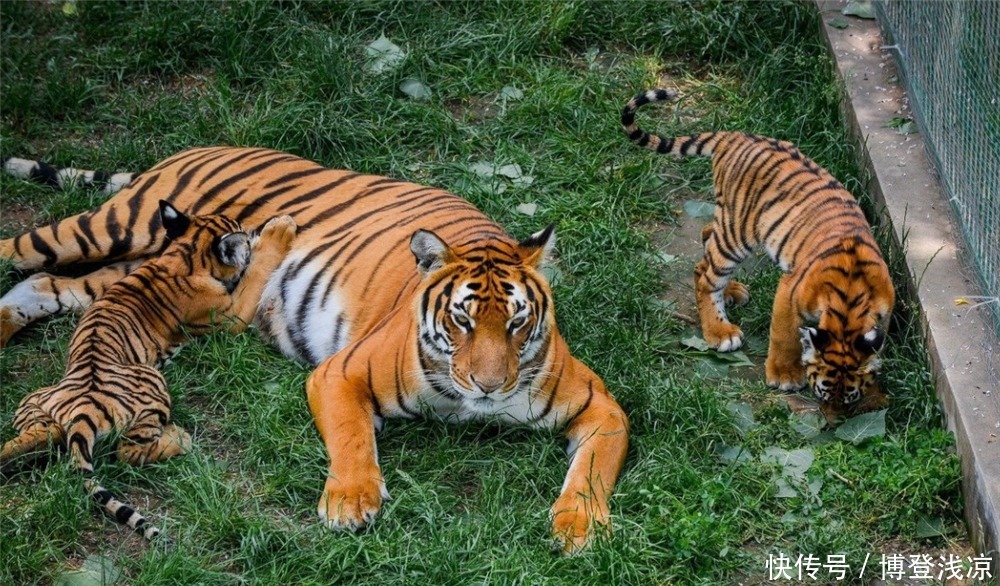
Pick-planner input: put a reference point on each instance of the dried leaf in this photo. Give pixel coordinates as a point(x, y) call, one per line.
point(415, 89)
point(527, 209)
point(699, 209)
point(383, 55)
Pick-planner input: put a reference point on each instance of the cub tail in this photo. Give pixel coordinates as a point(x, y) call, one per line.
point(695, 144)
point(64, 177)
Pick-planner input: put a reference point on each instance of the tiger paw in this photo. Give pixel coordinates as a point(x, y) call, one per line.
point(736, 294)
point(575, 522)
point(9, 325)
point(351, 505)
point(278, 234)
point(784, 377)
point(723, 336)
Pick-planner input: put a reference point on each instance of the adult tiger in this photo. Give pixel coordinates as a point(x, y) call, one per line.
point(210, 270)
point(835, 297)
point(408, 297)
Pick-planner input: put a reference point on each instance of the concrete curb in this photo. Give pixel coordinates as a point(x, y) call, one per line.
point(962, 345)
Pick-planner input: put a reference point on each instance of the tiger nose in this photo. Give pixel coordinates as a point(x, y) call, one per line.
point(487, 386)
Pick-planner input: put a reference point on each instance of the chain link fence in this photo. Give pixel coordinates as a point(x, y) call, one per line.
point(949, 51)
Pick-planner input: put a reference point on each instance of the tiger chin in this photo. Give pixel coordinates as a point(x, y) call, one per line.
point(835, 296)
point(408, 300)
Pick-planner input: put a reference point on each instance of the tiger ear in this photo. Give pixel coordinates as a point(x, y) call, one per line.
point(537, 249)
point(175, 222)
point(431, 252)
point(871, 342)
point(233, 249)
point(812, 340)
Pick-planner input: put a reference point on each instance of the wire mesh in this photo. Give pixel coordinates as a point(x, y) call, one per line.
point(949, 51)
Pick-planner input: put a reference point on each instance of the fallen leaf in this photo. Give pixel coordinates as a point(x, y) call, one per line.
point(838, 23)
point(510, 92)
point(699, 209)
point(862, 427)
point(860, 9)
point(793, 463)
point(961, 301)
point(742, 416)
point(415, 89)
point(383, 55)
point(527, 209)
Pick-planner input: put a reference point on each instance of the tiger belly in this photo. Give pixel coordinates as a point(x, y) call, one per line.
point(302, 312)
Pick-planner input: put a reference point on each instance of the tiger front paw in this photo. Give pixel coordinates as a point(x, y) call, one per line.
point(576, 520)
point(278, 234)
point(784, 376)
point(351, 505)
point(723, 336)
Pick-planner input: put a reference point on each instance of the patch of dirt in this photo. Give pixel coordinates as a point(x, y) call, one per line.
point(17, 218)
point(475, 109)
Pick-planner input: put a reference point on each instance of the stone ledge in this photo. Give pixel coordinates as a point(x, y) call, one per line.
point(962, 345)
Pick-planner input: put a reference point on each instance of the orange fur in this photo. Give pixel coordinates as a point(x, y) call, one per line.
point(835, 297)
point(408, 299)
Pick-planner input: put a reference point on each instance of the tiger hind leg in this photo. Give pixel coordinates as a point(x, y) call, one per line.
point(42, 295)
point(711, 281)
point(34, 439)
point(139, 447)
point(736, 293)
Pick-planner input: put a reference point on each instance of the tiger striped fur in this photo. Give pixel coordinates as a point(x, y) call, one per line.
point(407, 297)
point(210, 270)
point(835, 298)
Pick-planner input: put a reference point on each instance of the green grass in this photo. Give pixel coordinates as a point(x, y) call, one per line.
point(123, 85)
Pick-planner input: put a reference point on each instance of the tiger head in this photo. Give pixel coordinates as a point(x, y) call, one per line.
point(841, 370)
point(485, 315)
point(211, 245)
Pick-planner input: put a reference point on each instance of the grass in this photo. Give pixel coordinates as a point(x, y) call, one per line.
point(123, 85)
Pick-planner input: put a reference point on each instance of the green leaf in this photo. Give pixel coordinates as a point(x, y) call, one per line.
point(695, 342)
point(742, 416)
point(930, 527)
point(737, 358)
point(860, 9)
point(732, 454)
point(699, 209)
point(69, 8)
point(838, 23)
point(909, 127)
point(808, 425)
point(864, 426)
point(510, 92)
point(97, 570)
point(793, 463)
point(415, 89)
point(785, 489)
point(712, 368)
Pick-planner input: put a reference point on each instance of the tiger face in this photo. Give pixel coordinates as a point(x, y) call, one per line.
point(841, 372)
point(484, 316)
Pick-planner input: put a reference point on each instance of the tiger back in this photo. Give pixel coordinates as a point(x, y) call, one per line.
point(111, 384)
point(408, 299)
point(835, 296)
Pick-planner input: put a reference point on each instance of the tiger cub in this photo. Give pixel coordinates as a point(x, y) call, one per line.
point(834, 299)
point(210, 270)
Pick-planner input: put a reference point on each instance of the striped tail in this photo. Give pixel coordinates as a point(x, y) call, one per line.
point(64, 177)
point(81, 437)
point(695, 144)
point(120, 511)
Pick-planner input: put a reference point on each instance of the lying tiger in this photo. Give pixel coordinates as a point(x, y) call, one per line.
point(209, 271)
point(407, 297)
point(835, 297)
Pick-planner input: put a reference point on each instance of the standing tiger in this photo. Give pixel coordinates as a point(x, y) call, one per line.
point(407, 297)
point(209, 270)
point(835, 297)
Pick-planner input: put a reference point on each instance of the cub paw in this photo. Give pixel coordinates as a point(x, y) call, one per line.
point(724, 337)
point(278, 234)
point(784, 377)
point(575, 522)
point(736, 294)
point(351, 505)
